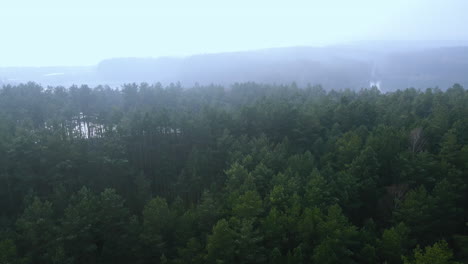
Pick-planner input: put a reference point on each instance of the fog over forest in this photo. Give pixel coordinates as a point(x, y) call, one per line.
point(388, 65)
point(234, 132)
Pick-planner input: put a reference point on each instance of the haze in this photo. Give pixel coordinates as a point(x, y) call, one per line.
point(53, 32)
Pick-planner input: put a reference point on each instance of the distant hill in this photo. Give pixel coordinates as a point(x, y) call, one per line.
point(427, 68)
point(354, 66)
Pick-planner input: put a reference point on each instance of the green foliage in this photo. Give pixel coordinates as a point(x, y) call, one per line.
point(394, 243)
point(415, 211)
point(157, 227)
point(337, 238)
point(248, 174)
point(248, 205)
point(439, 253)
point(36, 230)
point(318, 192)
point(8, 253)
point(220, 246)
point(94, 227)
point(248, 242)
point(193, 252)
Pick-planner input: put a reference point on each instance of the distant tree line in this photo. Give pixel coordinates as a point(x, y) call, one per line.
point(246, 174)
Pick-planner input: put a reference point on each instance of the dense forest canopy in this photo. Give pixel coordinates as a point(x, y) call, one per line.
point(246, 174)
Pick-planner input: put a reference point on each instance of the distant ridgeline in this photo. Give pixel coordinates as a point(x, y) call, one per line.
point(335, 67)
point(248, 174)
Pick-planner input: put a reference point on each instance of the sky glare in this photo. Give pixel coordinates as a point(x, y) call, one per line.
point(65, 32)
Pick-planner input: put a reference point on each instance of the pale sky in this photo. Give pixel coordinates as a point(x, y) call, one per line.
point(69, 32)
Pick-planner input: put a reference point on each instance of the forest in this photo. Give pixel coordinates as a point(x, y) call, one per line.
point(250, 173)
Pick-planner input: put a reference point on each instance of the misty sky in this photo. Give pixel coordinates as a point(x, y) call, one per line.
point(66, 32)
